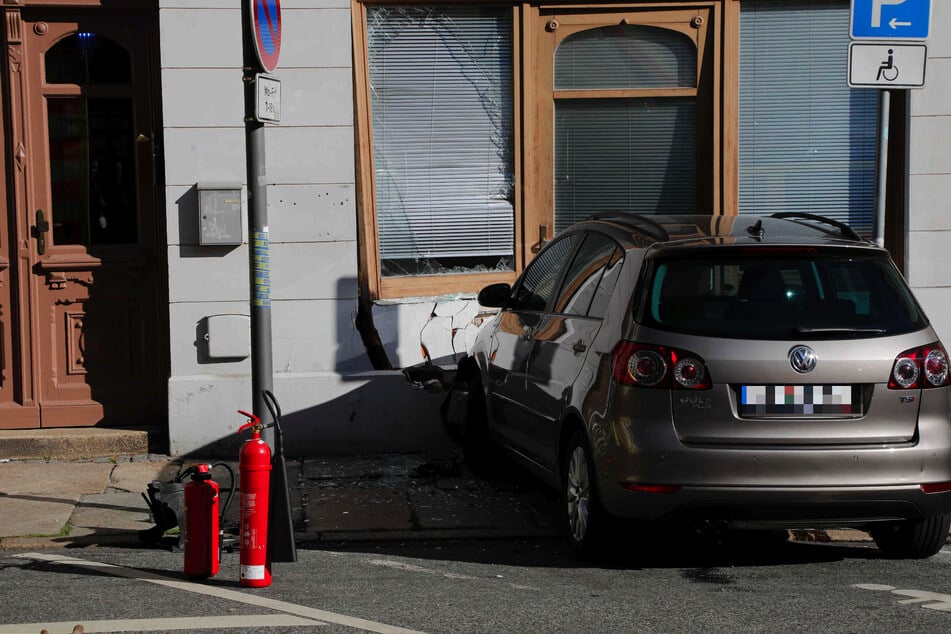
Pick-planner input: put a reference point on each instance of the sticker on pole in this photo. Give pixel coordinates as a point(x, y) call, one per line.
point(266, 24)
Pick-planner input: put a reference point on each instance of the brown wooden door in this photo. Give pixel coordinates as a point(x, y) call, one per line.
point(90, 339)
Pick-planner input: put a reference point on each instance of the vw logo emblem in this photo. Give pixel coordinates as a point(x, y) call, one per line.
point(803, 359)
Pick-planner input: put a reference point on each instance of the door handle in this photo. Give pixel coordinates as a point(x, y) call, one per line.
point(542, 238)
point(39, 231)
point(154, 142)
point(579, 347)
point(526, 333)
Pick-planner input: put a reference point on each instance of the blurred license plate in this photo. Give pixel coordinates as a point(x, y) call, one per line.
point(803, 400)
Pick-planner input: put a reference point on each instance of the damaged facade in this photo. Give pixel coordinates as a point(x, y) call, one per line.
point(424, 152)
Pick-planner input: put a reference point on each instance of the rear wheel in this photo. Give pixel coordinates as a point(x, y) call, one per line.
point(586, 521)
point(912, 539)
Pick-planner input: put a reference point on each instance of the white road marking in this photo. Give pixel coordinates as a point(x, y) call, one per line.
point(224, 593)
point(924, 598)
point(942, 601)
point(163, 625)
point(399, 565)
point(873, 586)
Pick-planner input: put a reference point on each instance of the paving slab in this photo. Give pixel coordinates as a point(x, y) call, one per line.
point(54, 479)
point(135, 476)
point(471, 507)
point(25, 514)
point(385, 467)
point(110, 513)
point(360, 508)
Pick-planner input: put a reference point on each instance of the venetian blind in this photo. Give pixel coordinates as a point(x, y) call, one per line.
point(442, 111)
point(628, 155)
point(807, 140)
point(624, 154)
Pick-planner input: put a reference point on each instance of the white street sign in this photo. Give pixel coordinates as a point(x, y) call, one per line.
point(267, 100)
point(887, 65)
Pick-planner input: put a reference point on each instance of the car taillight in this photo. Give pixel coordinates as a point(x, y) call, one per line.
point(658, 366)
point(651, 488)
point(919, 368)
point(935, 487)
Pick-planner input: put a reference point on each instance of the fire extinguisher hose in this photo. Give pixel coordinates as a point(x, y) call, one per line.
point(231, 490)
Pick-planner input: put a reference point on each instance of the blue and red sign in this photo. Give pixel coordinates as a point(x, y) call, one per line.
point(266, 23)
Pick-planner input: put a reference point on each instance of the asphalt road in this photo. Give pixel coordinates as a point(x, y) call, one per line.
point(682, 584)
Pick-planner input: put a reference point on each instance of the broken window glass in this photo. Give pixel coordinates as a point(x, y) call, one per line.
point(441, 100)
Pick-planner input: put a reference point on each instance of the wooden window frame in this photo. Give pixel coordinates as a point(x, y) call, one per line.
point(370, 279)
point(567, 20)
point(534, 216)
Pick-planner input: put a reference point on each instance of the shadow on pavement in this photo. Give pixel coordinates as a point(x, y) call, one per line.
point(671, 548)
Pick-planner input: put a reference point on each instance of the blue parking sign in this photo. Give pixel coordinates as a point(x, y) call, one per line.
point(891, 19)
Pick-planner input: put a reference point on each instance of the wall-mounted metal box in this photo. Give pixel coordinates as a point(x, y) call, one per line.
point(228, 336)
point(219, 213)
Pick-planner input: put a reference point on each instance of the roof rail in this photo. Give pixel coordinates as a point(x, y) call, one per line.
point(637, 222)
point(846, 230)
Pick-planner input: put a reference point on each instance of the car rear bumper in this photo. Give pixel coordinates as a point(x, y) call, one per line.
point(790, 507)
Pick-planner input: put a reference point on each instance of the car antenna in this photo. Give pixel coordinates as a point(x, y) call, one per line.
point(756, 230)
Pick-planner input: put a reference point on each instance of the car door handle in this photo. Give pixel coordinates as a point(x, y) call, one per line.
point(526, 333)
point(579, 347)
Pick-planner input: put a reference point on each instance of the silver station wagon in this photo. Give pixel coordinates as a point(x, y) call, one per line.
point(750, 371)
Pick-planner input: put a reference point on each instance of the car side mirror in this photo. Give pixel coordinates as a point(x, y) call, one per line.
point(495, 295)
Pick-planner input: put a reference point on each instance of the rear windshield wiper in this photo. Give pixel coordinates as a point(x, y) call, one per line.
point(821, 330)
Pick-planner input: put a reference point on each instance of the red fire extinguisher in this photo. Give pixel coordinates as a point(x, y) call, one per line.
point(200, 523)
point(254, 465)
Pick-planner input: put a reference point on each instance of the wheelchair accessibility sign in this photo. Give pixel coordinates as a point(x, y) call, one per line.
point(887, 65)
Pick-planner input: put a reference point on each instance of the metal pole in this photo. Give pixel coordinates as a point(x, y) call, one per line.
point(884, 113)
point(280, 532)
point(262, 372)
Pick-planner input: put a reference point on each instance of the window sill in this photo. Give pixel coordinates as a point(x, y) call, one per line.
point(399, 290)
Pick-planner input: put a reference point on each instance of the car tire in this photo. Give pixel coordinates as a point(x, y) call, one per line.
point(912, 539)
point(586, 522)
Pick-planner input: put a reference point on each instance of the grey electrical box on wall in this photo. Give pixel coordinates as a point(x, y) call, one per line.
point(228, 336)
point(219, 213)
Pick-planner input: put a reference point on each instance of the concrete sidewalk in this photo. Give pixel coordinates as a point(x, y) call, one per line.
point(53, 494)
point(85, 487)
point(100, 502)
point(71, 502)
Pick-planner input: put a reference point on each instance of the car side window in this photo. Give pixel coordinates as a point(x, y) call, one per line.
point(584, 274)
point(538, 282)
point(602, 297)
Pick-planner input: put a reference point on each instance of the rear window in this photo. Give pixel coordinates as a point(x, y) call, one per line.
point(757, 295)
